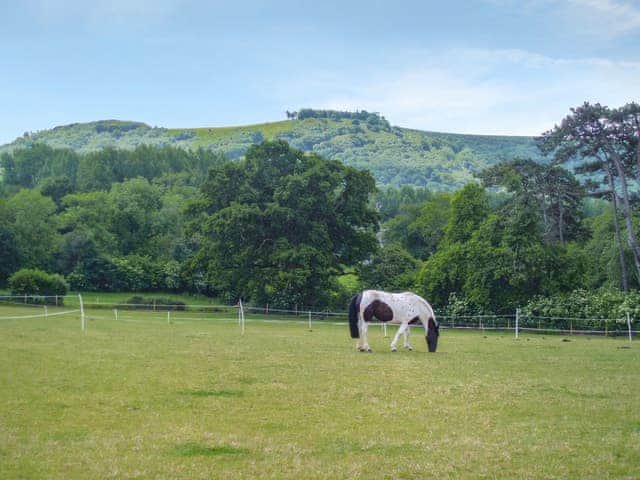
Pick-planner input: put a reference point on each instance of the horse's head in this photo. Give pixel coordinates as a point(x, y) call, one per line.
point(433, 332)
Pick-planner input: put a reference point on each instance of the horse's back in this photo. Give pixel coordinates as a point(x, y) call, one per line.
point(406, 306)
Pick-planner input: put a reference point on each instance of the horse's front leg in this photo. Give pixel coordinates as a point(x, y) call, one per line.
point(407, 345)
point(362, 344)
point(401, 330)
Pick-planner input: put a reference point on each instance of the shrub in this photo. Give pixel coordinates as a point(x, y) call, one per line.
point(590, 305)
point(37, 282)
point(587, 304)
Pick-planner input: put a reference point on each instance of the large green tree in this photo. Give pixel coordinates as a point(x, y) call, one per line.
point(496, 260)
point(135, 220)
point(555, 190)
point(30, 219)
point(9, 259)
point(419, 228)
point(611, 137)
point(470, 206)
point(277, 226)
point(392, 268)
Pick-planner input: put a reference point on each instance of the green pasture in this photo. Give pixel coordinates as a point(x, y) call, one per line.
point(144, 398)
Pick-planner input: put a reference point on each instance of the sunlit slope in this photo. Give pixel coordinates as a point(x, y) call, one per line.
point(396, 156)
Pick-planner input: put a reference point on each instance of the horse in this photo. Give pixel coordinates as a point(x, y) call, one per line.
point(395, 308)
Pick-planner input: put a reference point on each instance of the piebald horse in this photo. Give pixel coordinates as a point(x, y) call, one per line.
point(396, 308)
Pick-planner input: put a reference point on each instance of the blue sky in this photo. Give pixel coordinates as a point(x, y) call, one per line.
point(478, 66)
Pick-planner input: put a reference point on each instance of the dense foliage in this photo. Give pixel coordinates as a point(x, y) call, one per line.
point(58, 172)
point(278, 226)
point(288, 228)
point(610, 139)
point(395, 156)
point(603, 304)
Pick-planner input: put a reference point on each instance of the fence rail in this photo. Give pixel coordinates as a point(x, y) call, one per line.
point(514, 322)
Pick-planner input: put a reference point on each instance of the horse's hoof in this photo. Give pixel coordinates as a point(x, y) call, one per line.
point(408, 349)
point(368, 350)
point(394, 350)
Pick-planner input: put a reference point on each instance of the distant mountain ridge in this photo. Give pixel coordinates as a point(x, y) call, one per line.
point(396, 156)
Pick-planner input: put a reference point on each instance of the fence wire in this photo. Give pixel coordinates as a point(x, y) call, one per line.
point(525, 323)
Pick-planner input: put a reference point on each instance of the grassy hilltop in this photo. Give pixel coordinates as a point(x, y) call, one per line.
point(396, 156)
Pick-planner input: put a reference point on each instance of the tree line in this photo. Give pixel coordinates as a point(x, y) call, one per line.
point(372, 119)
point(287, 228)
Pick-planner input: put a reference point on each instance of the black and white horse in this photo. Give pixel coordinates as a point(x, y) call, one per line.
point(396, 308)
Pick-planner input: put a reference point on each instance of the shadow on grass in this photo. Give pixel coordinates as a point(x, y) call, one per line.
point(212, 393)
point(192, 449)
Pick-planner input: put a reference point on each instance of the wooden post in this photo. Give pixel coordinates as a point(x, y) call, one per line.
point(571, 326)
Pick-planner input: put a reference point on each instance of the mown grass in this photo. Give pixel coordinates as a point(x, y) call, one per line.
point(141, 398)
point(92, 298)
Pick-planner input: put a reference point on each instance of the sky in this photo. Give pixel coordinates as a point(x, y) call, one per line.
point(508, 67)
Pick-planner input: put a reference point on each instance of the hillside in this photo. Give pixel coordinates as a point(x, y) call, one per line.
point(396, 156)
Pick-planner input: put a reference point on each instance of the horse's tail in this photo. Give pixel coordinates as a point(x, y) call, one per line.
point(354, 307)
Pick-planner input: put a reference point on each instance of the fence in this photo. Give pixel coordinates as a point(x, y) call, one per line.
point(45, 302)
point(515, 322)
point(541, 324)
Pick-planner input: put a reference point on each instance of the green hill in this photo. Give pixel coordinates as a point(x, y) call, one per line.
point(396, 156)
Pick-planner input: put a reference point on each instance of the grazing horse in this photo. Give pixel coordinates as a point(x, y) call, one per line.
point(397, 308)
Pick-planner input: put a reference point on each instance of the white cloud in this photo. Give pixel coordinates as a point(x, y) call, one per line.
point(621, 16)
point(596, 19)
point(534, 60)
point(482, 91)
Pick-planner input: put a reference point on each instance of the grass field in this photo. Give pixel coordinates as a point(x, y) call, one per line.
point(141, 398)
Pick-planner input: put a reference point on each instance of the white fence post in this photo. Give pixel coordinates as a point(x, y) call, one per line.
point(629, 325)
point(241, 316)
point(517, 320)
point(309, 320)
point(82, 322)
